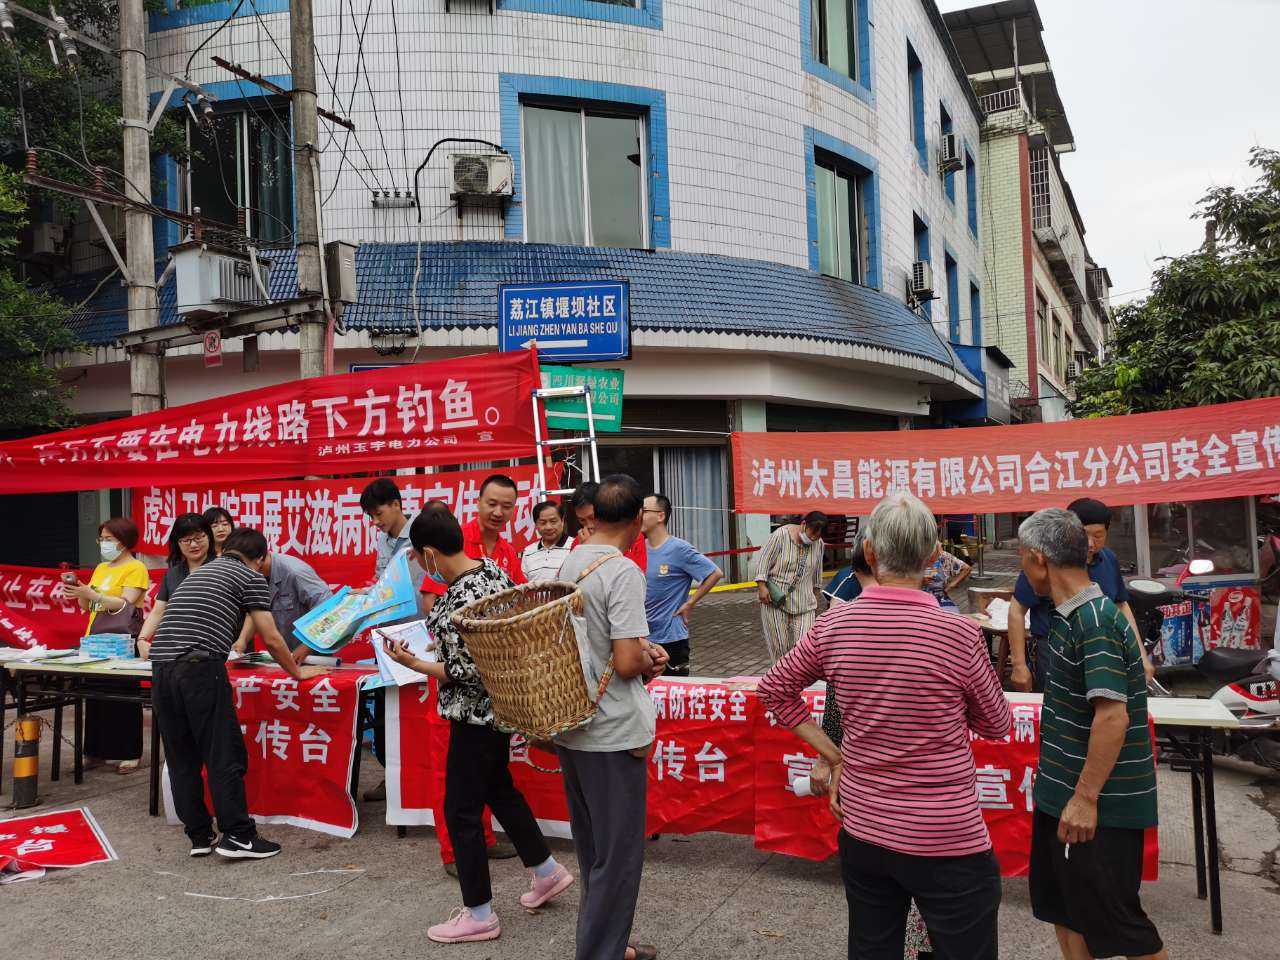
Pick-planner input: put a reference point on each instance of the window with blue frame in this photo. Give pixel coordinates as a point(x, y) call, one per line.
point(832, 27)
point(953, 298)
point(840, 192)
point(948, 178)
point(242, 160)
point(975, 313)
point(971, 191)
point(584, 176)
point(915, 82)
point(921, 230)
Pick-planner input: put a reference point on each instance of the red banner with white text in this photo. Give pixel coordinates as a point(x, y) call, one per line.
point(720, 764)
point(301, 738)
point(442, 412)
point(1200, 453)
point(66, 838)
point(320, 521)
point(35, 611)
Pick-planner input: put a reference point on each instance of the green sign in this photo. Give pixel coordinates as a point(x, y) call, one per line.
point(570, 413)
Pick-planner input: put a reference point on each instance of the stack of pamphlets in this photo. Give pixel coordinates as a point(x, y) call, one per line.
point(330, 626)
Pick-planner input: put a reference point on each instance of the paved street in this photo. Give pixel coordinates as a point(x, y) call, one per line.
point(709, 896)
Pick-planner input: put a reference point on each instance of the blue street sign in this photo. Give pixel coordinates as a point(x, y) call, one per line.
point(567, 321)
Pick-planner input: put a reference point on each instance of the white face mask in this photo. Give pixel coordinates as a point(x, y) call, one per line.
point(109, 550)
point(805, 538)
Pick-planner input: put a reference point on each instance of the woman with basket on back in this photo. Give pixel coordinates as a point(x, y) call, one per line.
point(476, 770)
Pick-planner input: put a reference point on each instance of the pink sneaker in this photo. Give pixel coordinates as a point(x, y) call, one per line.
point(540, 891)
point(462, 927)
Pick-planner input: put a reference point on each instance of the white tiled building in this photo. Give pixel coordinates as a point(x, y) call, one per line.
point(779, 158)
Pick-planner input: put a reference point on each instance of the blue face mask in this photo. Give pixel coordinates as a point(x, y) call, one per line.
point(439, 579)
point(109, 550)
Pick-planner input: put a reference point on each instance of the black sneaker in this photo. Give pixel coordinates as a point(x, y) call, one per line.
point(202, 847)
point(255, 849)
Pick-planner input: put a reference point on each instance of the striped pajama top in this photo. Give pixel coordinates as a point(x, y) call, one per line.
point(911, 681)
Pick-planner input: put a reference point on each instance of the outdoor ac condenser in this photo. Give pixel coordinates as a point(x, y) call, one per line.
point(212, 280)
point(480, 177)
point(922, 280)
point(949, 158)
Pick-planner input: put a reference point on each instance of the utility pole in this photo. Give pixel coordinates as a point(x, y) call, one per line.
point(146, 384)
point(313, 332)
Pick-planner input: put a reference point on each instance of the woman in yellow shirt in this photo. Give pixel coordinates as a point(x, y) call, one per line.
point(113, 731)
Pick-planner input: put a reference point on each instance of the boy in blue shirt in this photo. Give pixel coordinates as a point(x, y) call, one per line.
point(673, 566)
point(1026, 645)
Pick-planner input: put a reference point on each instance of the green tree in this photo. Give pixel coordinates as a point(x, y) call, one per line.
point(33, 325)
point(1210, 330)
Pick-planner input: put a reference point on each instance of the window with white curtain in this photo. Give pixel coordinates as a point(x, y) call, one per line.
point(584, 176)
point(693, 479)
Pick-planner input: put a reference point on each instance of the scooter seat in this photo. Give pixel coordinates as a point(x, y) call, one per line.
point(1225, 665)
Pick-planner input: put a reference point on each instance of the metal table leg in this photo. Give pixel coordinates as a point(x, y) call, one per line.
point(154, 806)
point(78, 740)
point(1197, 823)
point(55, 772)
point(1211, 821)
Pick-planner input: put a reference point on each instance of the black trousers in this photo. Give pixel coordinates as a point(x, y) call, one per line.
point(959, 898)
point(678, 651)
point(477, 775)
point(193, 703)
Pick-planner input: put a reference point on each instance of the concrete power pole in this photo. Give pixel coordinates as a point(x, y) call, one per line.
point(146, 374)
point(312, 333)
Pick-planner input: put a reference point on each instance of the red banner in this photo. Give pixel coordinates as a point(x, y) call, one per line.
point(301, 738)
point(1201, 453)
point(321, 520)
point(719, 764)
point(442, 412)
point(68, 838)
point(35, 610)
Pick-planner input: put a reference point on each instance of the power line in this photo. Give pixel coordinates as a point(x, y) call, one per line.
point(186, 71)
point(360, 69)
point(404, 125)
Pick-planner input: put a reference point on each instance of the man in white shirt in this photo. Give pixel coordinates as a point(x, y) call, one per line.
point(543, 558)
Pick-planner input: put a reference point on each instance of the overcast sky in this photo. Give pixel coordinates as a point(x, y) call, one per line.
point(1165, 98)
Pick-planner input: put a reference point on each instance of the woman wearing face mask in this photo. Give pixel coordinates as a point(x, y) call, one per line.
point(190, 547)
point(788, 574)
point(221, 524)
point(113, 597)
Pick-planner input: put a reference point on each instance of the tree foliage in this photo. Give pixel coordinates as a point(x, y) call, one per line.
point(32, 325)
point(1210, 330)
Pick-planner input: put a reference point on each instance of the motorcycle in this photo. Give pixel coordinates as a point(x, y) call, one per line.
point(1248, 681)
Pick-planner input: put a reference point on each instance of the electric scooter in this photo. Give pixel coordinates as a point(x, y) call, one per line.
point(1249, 680)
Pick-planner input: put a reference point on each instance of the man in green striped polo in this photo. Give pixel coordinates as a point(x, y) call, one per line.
point(1095, 788)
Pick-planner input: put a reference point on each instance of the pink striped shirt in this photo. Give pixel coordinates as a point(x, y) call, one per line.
point(911, 681)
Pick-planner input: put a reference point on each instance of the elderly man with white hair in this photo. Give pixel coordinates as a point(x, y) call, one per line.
point(911, 682)
point(1095, 789)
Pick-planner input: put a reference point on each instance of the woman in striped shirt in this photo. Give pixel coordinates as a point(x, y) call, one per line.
point(911, 682)
point(788, 574)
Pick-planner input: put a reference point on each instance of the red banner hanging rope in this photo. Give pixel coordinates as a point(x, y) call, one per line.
point(443, 412)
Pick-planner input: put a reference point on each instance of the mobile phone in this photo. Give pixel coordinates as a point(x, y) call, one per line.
point(68, 575)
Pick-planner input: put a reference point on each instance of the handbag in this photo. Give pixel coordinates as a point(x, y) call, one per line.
point(128, 620)
point(777, 596)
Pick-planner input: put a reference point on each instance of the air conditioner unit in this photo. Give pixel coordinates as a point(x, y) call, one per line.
point(481, 178)
point(949, 158)
point(922, 280)
point(42, 241)
point(213, 280)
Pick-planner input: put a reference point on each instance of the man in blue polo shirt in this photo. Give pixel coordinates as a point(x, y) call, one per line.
point(673, 566)
point(1027, 645)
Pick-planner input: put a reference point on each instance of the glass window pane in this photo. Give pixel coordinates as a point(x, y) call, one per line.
point(828, 245)
point(615, 168)
point(271, 170)
point(840, 37)
point(816, 14)
point(1221, 529)
point(844, 227)
point(553, 176)
point(215, 168)
point(1167, 531)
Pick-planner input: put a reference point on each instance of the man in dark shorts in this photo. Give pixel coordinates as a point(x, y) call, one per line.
point(1095, 787)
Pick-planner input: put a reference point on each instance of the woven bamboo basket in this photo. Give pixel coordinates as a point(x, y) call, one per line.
point(525, 648)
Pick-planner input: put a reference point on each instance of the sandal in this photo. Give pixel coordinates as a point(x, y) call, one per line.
point(641, 951)
point(126, 766)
